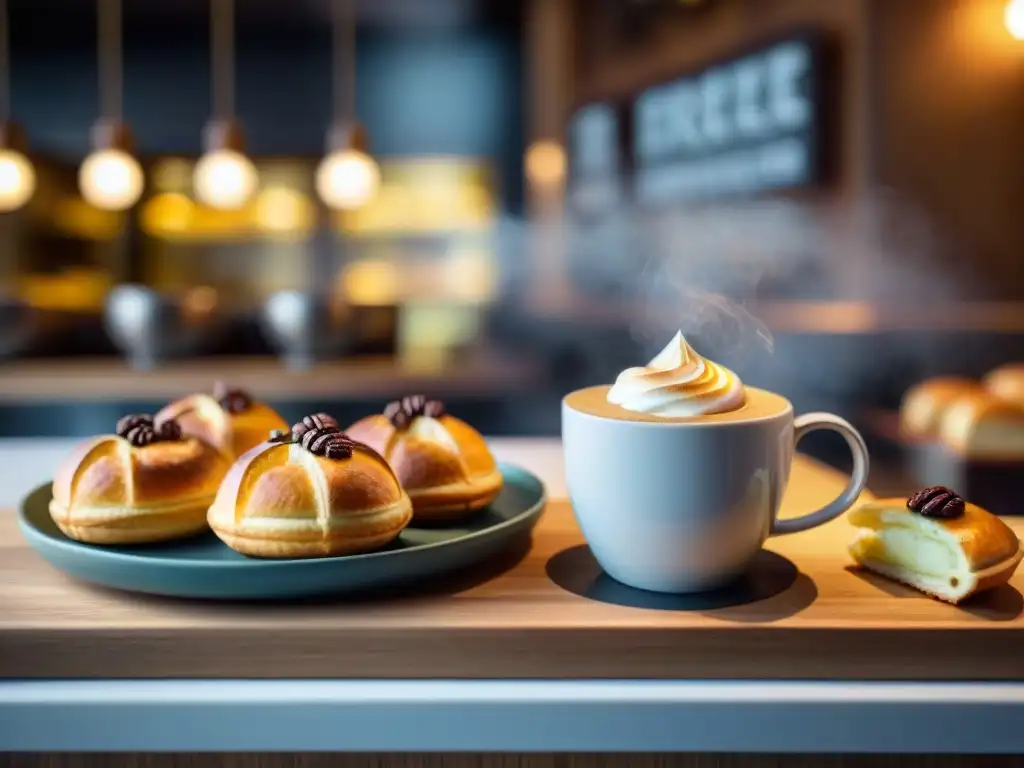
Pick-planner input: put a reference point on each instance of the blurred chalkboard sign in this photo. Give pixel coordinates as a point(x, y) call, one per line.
point(597, 154)
point(749, 125)
point(597, 197)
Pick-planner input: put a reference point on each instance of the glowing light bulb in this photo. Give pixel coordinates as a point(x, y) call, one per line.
point(17, 180)
point(347, 179)
point(1014, 18)
point(224, 179)
point(110, 179)
point(545, 163)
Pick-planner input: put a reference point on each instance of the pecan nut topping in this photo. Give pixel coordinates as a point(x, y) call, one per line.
point(315, 421)
point(401, 412)
point(231, 399)
point(140, 430)
point(937, 501)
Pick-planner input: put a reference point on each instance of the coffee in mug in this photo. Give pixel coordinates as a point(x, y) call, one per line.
point(676, 472)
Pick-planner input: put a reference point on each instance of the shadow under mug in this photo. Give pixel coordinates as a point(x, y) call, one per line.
point(685, 506)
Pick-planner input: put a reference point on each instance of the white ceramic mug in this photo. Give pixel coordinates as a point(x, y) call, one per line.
point(685, 506)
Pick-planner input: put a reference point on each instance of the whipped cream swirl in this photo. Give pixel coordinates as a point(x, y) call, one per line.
point(678, 383)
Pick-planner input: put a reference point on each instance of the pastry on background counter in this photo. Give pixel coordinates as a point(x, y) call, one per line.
point(310, 492)
point(229, 419)
point(1007, 382)
point(925, 404)
point(443, 463)
point(146, 483)
point(981, 426)
point(935, 542)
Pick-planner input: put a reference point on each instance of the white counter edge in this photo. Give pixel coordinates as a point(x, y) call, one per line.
point(509, 716)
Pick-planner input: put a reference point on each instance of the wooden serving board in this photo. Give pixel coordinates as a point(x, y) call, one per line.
point(512, 620)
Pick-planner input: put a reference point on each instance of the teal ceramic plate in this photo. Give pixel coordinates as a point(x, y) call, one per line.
point(203, 567)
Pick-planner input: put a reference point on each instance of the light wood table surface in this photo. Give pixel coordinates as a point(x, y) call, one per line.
point(510, 620)
point(834, 624)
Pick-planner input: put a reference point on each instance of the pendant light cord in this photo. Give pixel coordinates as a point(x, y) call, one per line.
point(343, 50)
point(5, 64)
point(222, 58)
point(108, 44)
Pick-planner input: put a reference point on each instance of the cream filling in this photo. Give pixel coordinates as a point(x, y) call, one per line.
point(931, 560)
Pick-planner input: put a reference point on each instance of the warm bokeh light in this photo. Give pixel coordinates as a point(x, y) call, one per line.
point(168, 212)
point(371, 282)
point(470, 274)
point(284, 210)
point(1014, 17)
point(17, 180)
point(545, 163)
point(110, 179)
point(347, 179)
point(225, 179)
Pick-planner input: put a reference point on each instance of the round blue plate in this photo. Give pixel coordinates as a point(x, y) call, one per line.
point(203, 567)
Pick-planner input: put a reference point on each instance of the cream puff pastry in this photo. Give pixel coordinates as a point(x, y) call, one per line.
point(146, 483)
point(1007, 382)
point(229, 419)
point(981, 426)
point(310, 492)
point(935, 542)
point(443, 463)
point(924, 405)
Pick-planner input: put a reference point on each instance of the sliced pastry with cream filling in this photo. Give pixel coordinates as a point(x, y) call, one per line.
point(228, 418)
point(935, 542)
point(310, 492)
point(145, 483)
point(443, 463)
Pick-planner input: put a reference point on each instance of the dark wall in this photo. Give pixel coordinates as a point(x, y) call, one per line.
point(948, 91)
point(420, 91)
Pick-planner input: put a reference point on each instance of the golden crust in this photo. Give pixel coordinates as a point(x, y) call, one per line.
point(201, 415)
point(279, 500)
point(1007, 382)
point(979, 425)
point(110, 492)
point(985, 539)
point(444, 464)
point(924, 405)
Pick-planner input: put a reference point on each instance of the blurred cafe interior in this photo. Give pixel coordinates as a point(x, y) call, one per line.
point(495, 202)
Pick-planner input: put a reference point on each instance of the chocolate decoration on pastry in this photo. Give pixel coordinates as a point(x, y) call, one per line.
point(232, 400)
point(330, 443)
point(937, 501)
point(319, 421)
point(401, 412)
point(139, 430)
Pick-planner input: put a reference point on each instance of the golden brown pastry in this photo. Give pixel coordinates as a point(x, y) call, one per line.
point(935, 542)
point(1007, 382)
point(229, 419)
point(981, 426)
point(310, 492)
point(143, 484)
point(443, 463)
point(925, 404)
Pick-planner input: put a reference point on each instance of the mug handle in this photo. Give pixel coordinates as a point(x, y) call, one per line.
point(811, 422)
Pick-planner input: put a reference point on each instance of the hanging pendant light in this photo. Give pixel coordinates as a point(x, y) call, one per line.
point(17, 177)
point(110, 178)
point(224, 177)
point(348, 177)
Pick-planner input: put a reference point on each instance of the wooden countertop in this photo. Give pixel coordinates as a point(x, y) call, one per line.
point(511, 621)
point(102, 380)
